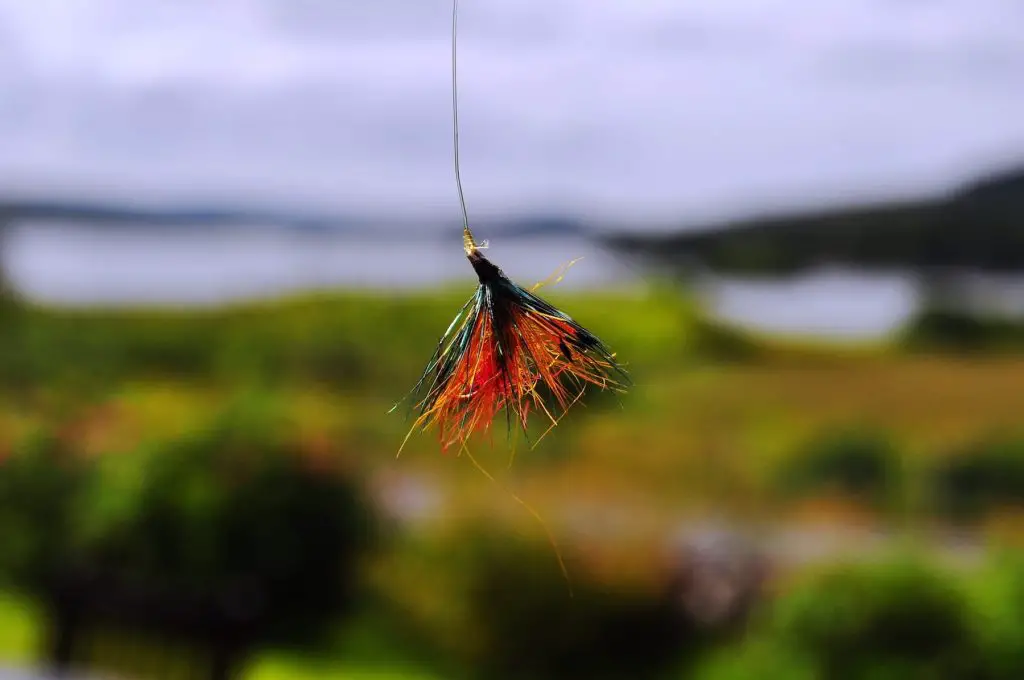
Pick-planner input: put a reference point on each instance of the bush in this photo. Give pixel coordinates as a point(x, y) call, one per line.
point(938, 329)
point(40, 482)
point(232, 513)
point(979, 478)
point(997, 616)
point(715, 340)
point(232, 519)
point(893, 620)
point(855, 462)
point(526, 624)
point(897, 619)
point(758, 658)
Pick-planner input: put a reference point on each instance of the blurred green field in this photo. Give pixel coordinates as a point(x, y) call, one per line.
point(721, 423)
point(711, 404)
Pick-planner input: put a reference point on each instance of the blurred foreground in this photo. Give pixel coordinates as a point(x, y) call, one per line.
point(216, 493)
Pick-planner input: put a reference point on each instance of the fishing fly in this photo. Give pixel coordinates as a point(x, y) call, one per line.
point(507, 349)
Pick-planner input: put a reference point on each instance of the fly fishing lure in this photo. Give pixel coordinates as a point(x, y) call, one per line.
point(507, 349)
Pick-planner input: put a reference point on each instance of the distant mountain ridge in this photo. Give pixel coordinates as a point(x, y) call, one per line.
point(115, 215)
point(977, 226)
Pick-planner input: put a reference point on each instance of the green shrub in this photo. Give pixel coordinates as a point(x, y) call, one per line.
point(715, 340)
point(758, 658)
point(937, 329)
point(234, 511)
point(40, 482)
point(856, 462)
point(897, 619)
point(980, 477)
point(997, 616)
point(526, 624)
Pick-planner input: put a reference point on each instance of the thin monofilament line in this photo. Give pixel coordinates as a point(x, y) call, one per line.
point(455, 114)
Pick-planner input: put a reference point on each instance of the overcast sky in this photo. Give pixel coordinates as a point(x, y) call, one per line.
point(614, 108)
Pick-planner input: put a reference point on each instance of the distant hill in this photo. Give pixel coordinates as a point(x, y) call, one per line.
point(114, 215)
point(979, 226)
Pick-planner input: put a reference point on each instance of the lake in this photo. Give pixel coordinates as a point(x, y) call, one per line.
point(69, 265)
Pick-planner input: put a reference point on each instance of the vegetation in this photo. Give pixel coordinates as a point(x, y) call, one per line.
point(983, 476)
point(976, 227)
point(900, 618)
point(950, 331)
point(853, 462)
point(189, 448)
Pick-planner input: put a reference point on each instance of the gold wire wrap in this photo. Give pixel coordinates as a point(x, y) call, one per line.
point(470, 244)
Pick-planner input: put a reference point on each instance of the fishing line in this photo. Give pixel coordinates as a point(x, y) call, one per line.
point(455, 111)
point(470, 244)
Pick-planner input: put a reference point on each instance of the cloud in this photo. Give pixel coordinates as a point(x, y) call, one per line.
point(615, 108)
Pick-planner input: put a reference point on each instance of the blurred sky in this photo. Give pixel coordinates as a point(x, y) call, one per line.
point(608, 108)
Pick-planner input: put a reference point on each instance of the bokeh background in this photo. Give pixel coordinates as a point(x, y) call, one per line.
point(230, 240)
